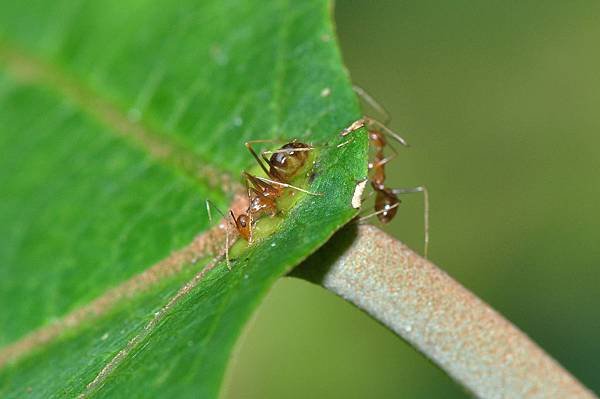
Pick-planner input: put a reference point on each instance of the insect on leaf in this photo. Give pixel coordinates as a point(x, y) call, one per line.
point(117, 121)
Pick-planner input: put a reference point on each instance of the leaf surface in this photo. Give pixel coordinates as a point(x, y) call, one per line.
point(117, 120)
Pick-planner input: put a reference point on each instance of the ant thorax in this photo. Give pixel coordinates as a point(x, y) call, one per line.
point(262, 204)
point(377, 139)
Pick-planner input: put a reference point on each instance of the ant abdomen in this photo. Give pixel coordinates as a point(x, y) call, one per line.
point(286, 163)
point(386, 204)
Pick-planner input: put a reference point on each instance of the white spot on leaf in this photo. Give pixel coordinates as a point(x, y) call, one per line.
point(358, 193)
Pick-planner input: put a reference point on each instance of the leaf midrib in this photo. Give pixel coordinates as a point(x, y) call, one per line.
point(201, 247)
point(33, 70)
point(28, 68)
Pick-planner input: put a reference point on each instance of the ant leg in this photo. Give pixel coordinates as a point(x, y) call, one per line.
point(362, 93)
point(420, 189)
point(285, 151)
point(248, 145)
point(260, 186)
point(385, 160)
point(250, 142)
point(374, 124)
point(357, 124)
point(384, 129)
point(227, 261)
point(379, 212)
point(247, 186)
point(208, 202)
point(265, 141)
point(286, 185)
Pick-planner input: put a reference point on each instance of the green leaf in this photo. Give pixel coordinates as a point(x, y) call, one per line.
point(117, 120)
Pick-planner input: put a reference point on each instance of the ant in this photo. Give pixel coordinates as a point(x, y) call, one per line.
point(386, 199)
point(283, 166)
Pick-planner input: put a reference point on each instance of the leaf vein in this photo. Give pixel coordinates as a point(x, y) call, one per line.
point(30, 69)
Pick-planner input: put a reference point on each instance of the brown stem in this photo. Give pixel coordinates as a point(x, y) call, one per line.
point(468, 339)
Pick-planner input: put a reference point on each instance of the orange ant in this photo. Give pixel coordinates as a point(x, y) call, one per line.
point(386, 199)
point(283, 166)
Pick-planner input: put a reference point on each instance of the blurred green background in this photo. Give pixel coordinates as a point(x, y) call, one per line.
point(500, 101)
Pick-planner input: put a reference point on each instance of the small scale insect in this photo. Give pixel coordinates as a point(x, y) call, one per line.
point(386, 199)
point(281, 168)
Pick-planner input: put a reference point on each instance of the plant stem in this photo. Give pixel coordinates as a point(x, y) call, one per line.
point(468, 339)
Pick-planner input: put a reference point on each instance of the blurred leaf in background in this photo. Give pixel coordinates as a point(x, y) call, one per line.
point(500, 104)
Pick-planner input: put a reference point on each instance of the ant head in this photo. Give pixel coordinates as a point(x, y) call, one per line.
point(377, 139)
point(243, 224)
point(286, 162)
point(386, 203)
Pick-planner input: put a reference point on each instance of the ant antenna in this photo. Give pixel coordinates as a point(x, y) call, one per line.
point(386, 130)
point(260, 162)
point(286, 150)
point(208, 212)
point(208, 202)
point(420, 189)
point(370, 122)
point(278, 183)
point(362, 93)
